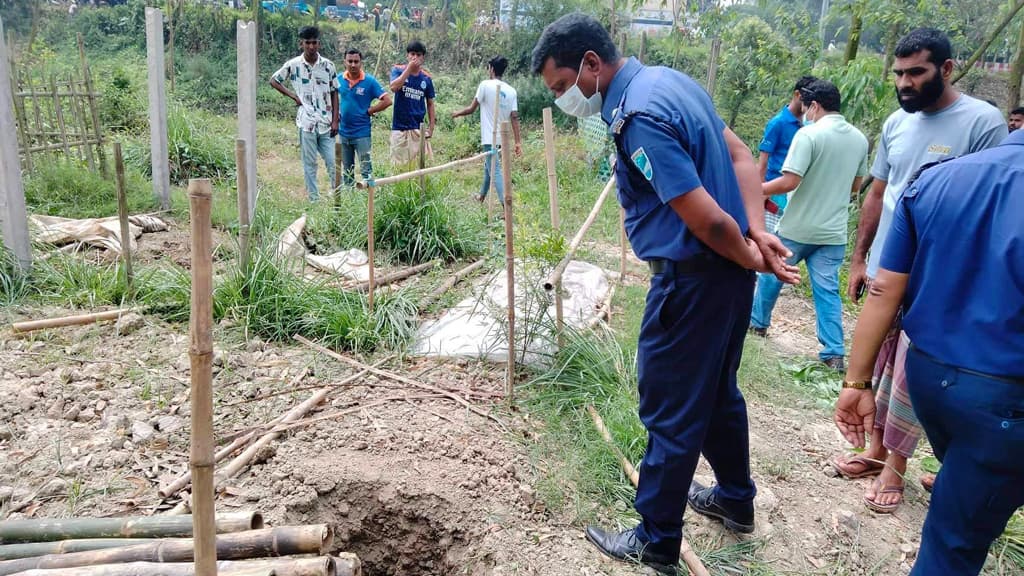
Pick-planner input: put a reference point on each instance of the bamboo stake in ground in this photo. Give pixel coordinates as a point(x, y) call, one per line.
point(242, 168)
point(622, 244)
point(416, 173)
point(339, 173)
point(370, 284)
point(77, 320)
point(423, 158)
point(549, 154)
point(269, 542)
point(689, 557)
point(510, 264)
point(556, 274)
point(51, 530)
point(200, 353)
point(122, 215)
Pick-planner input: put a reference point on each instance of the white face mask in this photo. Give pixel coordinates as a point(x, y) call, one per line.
point(807, 121)
point(574, 103)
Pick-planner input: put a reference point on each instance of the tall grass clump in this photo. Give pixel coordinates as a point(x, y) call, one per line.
point(1009, 548)
point(419, 225)
point(165, 290)
point(14, 284)
point(69, 189)
point(69, 280)
point(195, 149)
point(271, 300)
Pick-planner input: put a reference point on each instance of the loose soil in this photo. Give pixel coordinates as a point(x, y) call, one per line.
point(93, 422)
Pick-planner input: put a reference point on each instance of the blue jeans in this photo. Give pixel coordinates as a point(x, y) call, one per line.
point(312, 144)
point(975, 424)
point(349, 148)
point(823, 262)
point(499, 182)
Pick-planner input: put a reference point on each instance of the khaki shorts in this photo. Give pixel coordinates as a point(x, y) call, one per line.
point(405, 147)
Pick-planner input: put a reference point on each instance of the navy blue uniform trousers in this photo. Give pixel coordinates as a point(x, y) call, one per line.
point(691, 342)
point(975, 424)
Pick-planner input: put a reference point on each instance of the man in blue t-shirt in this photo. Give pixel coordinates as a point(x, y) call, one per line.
point(693, 208)
point(414, 98)
point(357, 91)
point(774, 146)
point(954, 259)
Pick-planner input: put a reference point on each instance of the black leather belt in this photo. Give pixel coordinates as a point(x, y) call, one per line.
point(700, 263)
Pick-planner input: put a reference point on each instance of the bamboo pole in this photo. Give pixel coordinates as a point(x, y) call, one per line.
point(396, 276)
point(242, 168)
point(170, 42)
point(622, 244)
point(77, 320)
point(122, 215)
point(78, 111)
point(33, 549)
point(493, 159)
point(93, 108)
point(201, 457)
point(59, 113)
point(450, 283)
point(19, 110)
point(371, 284)
point(344, 565)
point(280, 541)
point(423, 159)
point(398, 378)
point(690, 558)
point(556, 274)
point(52, 530)
point(339, 173)
point(549, 154)
point(510, 264)
point(416, 173)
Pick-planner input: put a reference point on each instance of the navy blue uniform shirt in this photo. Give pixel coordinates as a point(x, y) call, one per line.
point(670, 141)
point(959, 232)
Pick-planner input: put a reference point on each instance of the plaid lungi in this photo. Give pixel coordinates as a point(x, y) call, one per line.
point(893, 412)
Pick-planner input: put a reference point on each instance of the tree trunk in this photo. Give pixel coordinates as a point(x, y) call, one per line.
point(988, 40)
point(891, 38)
point(853, 44)
point(1016, 73)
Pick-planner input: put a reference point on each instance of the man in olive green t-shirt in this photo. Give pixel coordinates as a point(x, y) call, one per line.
point(826, 161)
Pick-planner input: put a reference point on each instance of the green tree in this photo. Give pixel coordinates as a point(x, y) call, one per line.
point(754, 59)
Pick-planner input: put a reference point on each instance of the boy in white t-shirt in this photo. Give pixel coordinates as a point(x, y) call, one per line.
point(486, 93)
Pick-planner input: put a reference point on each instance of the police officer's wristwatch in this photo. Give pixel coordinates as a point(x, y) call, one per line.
point(857, 384)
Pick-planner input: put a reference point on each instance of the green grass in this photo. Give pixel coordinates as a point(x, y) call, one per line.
point(14, 284)
point(69, 189)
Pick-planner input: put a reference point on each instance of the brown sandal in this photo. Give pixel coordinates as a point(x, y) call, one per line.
point(885, 508)
point(868, 467)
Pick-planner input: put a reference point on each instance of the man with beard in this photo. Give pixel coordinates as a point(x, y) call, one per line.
point(936, 122)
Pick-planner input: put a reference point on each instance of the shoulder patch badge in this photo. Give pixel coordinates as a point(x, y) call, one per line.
point(642, 163)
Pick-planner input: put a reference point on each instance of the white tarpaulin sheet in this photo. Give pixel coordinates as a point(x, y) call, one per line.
point(99, 232)
point(476, 326)
point(352, 263)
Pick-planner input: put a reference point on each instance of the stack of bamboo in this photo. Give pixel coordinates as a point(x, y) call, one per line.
point(162, 546)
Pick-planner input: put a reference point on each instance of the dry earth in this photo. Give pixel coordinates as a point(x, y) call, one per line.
point(94, 418)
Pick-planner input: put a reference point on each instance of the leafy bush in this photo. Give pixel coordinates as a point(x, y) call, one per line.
point(122, 104)
point(69, 189)
point(194, 150)
point(867, 97)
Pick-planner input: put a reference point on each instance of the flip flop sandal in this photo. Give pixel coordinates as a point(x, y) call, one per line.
point(870, 467)
point(885, 508)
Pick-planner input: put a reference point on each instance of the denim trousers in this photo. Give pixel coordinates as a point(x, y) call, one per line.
point(313, 144)
point(350, 147)
point(499, 183)
point(975, 424)
point(823, 263)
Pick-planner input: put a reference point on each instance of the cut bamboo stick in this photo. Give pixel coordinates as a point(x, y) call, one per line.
point(396, 276)
point(549, 154)
point(689, 557)
point(556, 274)
point(510, 265)
point(281, 541)
point(450, 282)
point(622, 244)
point(351, 362)
point(370, 285)
point(122, 215)
point(32, 549)
point(49, 530)
point(77, 320)
point(416, 173)
point(423, 159)
point(201, 457)
point(241, 166)
point(344, 565)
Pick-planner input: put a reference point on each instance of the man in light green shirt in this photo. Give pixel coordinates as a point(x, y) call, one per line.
point(826, 162)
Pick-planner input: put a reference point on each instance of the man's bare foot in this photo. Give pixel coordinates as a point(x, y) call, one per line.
point(886, 493)
point(928, 481)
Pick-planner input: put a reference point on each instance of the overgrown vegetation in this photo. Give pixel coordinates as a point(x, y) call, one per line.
point(194, 150)
point(68, 188)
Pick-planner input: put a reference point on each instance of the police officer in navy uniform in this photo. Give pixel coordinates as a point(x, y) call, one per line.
point(954, 259)
point(694, 212)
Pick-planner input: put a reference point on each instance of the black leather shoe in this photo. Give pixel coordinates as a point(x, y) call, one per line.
point(737, 516)
point(627, 547)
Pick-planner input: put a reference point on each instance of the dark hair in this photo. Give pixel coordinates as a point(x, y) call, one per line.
point(824, 93)
point(309, 33)
point(934, 41)
point(416, 47)
point(1018, 110)
point(568, 38)
point(803, 82)
point(498, 64)
point(354, 51)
